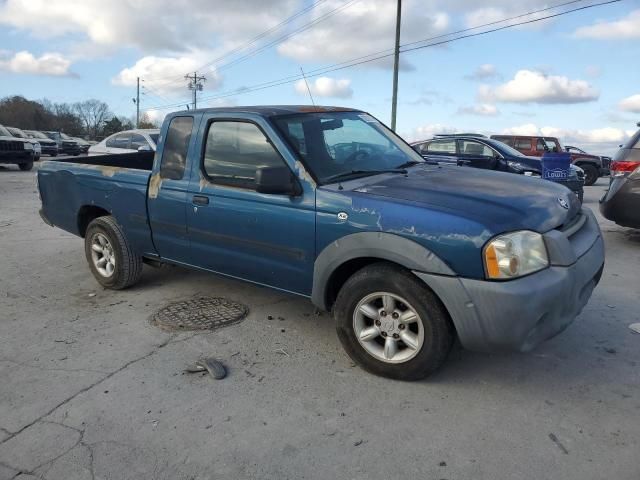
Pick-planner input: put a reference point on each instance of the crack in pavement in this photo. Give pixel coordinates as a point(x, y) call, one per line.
point(94, 384)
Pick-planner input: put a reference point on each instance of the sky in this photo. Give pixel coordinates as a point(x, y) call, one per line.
point(574, 76)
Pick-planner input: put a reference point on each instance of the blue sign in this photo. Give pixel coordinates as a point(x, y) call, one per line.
point(556, 166)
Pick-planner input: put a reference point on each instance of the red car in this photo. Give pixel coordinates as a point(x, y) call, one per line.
point(535, 146)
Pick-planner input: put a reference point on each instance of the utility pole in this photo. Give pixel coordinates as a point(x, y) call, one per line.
point(138, 102)
point(396, 61)
point(195, 85)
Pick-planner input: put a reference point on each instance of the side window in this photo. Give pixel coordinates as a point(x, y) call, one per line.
point(507, 140)
point(475, 148)
point(138, 141)
point(119, 141)
point(540, 145)
point(523, 144)
point(176, 145)
point(442, 146)
point(235, 150)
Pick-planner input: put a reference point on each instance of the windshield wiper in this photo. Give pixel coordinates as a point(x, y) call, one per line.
point(364, 173)
point(410, 163)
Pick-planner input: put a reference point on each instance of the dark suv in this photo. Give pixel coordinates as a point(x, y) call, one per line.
point(66, 144)
point(536, 146)
point(481, 152)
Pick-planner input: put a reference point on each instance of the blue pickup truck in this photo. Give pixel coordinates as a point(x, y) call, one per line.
point(330, 204)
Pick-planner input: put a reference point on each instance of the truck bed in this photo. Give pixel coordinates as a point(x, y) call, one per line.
point(73, 187)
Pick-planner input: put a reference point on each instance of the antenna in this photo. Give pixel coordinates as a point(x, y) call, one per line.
point(308, 89)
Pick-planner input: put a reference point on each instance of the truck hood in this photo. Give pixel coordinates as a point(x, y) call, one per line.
point(500, 201)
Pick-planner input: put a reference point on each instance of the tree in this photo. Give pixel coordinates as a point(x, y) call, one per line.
point(93, 114)
point(146, 122)
point(19, 112)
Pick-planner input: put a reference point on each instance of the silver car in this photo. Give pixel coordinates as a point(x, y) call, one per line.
point(128, 141)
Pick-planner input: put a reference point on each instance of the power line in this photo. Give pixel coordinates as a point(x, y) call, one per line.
point(253, 40)
point(374, 56)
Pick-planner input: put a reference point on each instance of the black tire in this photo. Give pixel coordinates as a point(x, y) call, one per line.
point(590, 174)
point(128, 265)
point(438, 330)
point(25, 167)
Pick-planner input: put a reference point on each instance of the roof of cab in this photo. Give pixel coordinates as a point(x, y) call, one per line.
point(271, 110)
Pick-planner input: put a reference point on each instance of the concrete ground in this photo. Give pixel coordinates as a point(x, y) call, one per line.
point(89, 389)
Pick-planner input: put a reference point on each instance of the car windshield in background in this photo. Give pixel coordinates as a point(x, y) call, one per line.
point(16, 132)
point(65, 136)
point(4, 132)
point(154, 137)
point(35, 134)
point(337, 144)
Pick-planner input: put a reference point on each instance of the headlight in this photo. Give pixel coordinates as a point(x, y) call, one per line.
point(515, 254)
point(27, 146)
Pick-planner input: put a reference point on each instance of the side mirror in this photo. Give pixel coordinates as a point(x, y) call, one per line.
point(276, 180)
point(144, 148)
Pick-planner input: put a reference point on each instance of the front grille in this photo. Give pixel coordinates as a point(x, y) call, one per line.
point(10, 146)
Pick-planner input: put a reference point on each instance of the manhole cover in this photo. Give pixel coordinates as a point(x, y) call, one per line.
point(203, 313)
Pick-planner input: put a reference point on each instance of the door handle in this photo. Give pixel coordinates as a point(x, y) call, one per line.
point(200, 200)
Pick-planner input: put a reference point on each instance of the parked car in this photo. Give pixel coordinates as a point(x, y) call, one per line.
point(17, 151)
point(621, 202)
point(536, 146)
point(37, 149)
point(479, 151)
point(128, 141)
point(84, 145)
point(66, 144)
point(330, 204)
point(48, 146)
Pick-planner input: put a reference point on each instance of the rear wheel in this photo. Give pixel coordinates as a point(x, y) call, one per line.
point(111, 259)
point(391, 324)
point(25, 167)
point(590, 174)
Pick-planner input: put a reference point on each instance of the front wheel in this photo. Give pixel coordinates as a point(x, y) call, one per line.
point(590, 174)
point(391, 324)
point(25, 167)
point(111, 259)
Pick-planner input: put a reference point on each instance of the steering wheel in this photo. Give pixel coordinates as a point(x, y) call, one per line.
point(354, 156)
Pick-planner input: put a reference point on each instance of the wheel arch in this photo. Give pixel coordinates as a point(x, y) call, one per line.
point(343, 257)
point(87, 214)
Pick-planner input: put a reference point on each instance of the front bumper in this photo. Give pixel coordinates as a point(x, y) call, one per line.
point(15, 157)
point(49, 149)
point(519, 314)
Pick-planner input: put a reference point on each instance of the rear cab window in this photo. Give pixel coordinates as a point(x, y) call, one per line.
point(176, 147)
point(234, 150)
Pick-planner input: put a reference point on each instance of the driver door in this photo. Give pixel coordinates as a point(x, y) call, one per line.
point(477, 155)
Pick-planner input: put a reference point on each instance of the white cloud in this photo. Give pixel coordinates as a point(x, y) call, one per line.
point(164, 75)
point(53, 64)
point(428, 131)
point(625, 28)
point(326, 87)
point(526, 129)
point(150, 25)
point(630, 104)
point(482, 109)
point(485, 71)
point(361, 29)
point(529, 86)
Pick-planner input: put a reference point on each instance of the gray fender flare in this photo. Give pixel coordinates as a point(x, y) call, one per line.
point(385, 246)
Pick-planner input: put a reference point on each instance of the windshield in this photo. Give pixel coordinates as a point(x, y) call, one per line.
point(336, 143)
point(65, 136)
point(154, 137)
point(16, 132)
point(505, 149)
point(35, 134)
point(4, 132)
